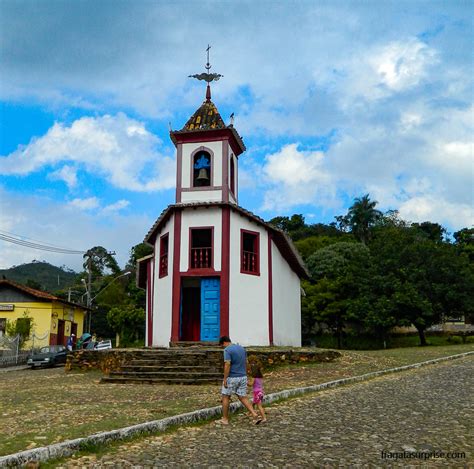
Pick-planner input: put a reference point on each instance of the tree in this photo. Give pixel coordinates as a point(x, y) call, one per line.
point(21, 327)
point(137, 252)
point(362, 216)
point(465, 242)
point(128, 322)
point(340, 272)
point(433, 231)
point(98, 259)
point(423, 280)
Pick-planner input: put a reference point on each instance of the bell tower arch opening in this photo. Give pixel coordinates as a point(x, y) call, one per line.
point(202, 169)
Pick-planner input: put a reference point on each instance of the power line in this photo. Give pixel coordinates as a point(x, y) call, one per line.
point(39, 246)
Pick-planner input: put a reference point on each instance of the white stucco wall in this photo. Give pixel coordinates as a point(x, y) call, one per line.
point(201, 196)
point(149, 285)
point(162, 298)
point(248, 294)
point(188, 148)
point(196, 218)
point(286, 302)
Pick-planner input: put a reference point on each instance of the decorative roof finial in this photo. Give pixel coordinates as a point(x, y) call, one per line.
point(207, 76)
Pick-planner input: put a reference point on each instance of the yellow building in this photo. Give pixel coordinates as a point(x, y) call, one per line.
point(53, 319)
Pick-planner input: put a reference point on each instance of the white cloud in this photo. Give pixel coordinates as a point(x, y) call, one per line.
point(400, 65)
point(117, 148)
point(116, 207)
point(85, 204)
point(295, 177)
point(432, 208)
point(62, 224)
point(68, 174)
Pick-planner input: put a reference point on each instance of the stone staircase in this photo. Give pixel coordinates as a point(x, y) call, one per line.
point(171, 366)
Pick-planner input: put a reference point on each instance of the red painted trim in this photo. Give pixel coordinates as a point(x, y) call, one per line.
point(232, 175)
point(270, 290)
point(208, 136)
point(225, 170)
point(150, 291)
point(225, 268)
point(236, 195)
point(191, 161)
point(163, 272)
point(201, 273)
point(257, 251)
point(53, 339)
point(211, 269)
point(176, 289)
point(179, 171)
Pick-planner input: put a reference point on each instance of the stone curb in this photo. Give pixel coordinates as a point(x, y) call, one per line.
point(67, 448)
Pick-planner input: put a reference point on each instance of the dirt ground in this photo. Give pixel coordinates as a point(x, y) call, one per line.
point(40, 407)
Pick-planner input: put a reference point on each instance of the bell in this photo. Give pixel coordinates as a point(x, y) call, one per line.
point(203, 178)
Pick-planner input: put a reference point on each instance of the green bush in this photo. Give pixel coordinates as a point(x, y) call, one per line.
point(454, 339)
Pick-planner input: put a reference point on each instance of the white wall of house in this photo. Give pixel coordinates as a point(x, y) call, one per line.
point(248, 294)
point(201, 217)
point(286, 302)
point(162, 296)
point(188, 148)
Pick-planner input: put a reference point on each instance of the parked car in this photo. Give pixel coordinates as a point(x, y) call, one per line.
point(50, 355)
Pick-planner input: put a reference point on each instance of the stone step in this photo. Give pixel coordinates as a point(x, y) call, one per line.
point(187, 344)
point(179, 380)
point(165, 374)
point(175, 368)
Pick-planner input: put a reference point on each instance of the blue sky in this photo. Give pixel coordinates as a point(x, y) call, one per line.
point(333, 100)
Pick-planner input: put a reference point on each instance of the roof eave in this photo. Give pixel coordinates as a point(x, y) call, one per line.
point(183, 136)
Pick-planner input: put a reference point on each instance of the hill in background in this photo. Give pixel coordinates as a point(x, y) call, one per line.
point(39, 274)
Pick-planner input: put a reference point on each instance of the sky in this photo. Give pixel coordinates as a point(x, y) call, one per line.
point(334, 100)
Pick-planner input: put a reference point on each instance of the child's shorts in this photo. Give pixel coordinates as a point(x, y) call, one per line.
point(258, 397)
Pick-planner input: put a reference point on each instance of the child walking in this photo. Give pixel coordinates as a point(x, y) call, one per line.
point(257, 387)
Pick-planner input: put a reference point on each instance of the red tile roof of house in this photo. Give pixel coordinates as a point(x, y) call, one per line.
point(42, 295)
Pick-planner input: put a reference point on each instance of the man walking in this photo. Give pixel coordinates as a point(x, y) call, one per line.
point(235, 379)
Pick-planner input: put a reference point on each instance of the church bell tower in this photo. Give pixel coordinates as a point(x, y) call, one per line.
point(207, 153)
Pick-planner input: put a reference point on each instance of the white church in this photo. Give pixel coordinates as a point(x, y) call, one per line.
point(217, 269)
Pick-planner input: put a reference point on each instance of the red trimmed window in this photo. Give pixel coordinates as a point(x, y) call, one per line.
point(201, 248)
point(164, 244)
point(249, 252)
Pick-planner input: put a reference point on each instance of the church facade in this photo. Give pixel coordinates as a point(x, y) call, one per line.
point(217, 269)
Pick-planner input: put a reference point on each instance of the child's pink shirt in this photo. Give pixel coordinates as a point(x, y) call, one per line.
point(257, 384)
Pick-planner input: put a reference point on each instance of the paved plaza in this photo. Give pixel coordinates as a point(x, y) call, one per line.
point(427, 410)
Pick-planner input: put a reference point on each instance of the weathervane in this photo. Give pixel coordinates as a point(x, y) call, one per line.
point(207, 76)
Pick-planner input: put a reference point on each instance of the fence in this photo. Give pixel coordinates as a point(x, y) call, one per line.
point(10, 352)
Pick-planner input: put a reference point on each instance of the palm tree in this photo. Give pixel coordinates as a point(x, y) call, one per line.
point(362, 215)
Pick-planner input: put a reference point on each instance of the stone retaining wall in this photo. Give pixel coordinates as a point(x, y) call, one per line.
point(102, 360)
point(111, 360)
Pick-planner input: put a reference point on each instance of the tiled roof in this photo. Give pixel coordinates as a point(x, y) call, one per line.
point(207, 117)
point(42, 295)
point(281, 239)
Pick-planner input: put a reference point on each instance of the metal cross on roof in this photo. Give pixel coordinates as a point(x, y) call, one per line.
point(207, 76)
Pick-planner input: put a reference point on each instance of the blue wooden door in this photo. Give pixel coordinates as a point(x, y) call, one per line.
point(210, 309)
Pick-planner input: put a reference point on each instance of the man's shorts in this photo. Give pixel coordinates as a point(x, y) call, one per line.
point(237, 385)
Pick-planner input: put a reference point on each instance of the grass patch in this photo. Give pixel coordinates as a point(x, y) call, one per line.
point(361, 342)
point(48, 406)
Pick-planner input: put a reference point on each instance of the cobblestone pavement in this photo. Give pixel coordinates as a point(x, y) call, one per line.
point(429, 409)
